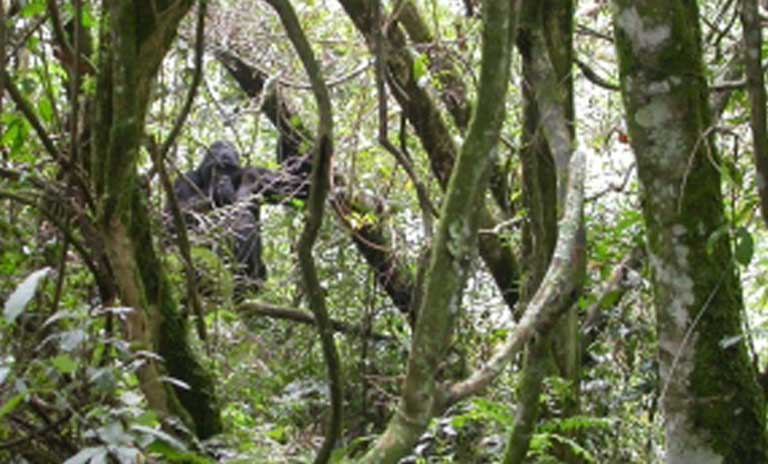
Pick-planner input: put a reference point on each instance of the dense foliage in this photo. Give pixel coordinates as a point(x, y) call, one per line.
point(447, 282)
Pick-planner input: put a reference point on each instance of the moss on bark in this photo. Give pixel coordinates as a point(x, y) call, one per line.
point(713, 408)
point(134, 40)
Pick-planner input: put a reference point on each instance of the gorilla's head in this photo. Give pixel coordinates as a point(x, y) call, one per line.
point(223, 155)
point(221, 159)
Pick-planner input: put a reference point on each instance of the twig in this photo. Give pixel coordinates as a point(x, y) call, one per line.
point(614, 187)
point(303, 317)
point(595, 78)
point(29, 114)
point(428, 209)
point(752, 37)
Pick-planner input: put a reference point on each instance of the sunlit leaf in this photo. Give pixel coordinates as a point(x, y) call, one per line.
point(18, 300)
point(88, 455)
point(87, 20)
point(114, 434)
point(33, 8)
point(45, 110)
point(10, 405)
point(64, 364)
point(71, 339)
point(730, 341)
point(160, 435)
point(420, 66)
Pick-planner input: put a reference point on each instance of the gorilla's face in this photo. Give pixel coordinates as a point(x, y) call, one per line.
point(224, 156)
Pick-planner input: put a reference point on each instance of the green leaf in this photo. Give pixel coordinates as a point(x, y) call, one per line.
point(420, 66)
point(715, 237)
point(89, 455)
point(18, 300)
point(10, 405)
point(88, 20)
point(161, 436)
point(745, 246)
point(45, 110)
point(64, 364)
point(33, 8)
point(731, 173)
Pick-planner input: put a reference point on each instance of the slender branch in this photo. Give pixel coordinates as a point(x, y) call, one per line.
point(613, 187)
point(158, 159)
point(319, 188)
point(55, 220)
point(75, 84)
point(303, 317)
point(58, 30)
point(610, 293)
point(595, 78)
point(26, 109)
point(435, 135)
point(197, 77)
point(60, 273)
point(753, 43)
point(428, 209)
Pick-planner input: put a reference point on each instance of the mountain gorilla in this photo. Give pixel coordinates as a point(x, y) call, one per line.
point(215, 183)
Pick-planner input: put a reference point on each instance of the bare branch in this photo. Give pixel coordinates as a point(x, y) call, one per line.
point(260, 309)
point(319, 187)
point(158, 159)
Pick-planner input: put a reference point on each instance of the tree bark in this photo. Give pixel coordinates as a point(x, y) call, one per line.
point(545, 44)
point(134, 40)
point(454, 243)
point(713, 408)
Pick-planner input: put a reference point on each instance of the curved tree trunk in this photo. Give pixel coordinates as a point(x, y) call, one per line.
point(545, 36)
point(454, 243)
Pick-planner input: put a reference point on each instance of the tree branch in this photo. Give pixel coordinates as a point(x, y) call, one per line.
point(260, 309)
point(753, 43)
point(553, 297)
point(158, 159)
point(318, 191)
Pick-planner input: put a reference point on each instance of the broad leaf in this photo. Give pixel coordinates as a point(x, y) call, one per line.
point(745, 246)
point(23, 293)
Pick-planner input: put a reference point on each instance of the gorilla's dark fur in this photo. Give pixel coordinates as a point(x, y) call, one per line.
point(215, 183)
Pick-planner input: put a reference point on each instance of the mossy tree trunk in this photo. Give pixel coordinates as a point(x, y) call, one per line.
point(454, 243)
point(713, 409)
point(135, 37)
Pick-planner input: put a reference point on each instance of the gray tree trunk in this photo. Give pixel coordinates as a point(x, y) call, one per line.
point(713, 409)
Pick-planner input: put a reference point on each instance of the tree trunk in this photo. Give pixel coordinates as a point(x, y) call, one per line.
point(454, 243)
point(134, 41)
point(550, 21)
point(713, 409)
